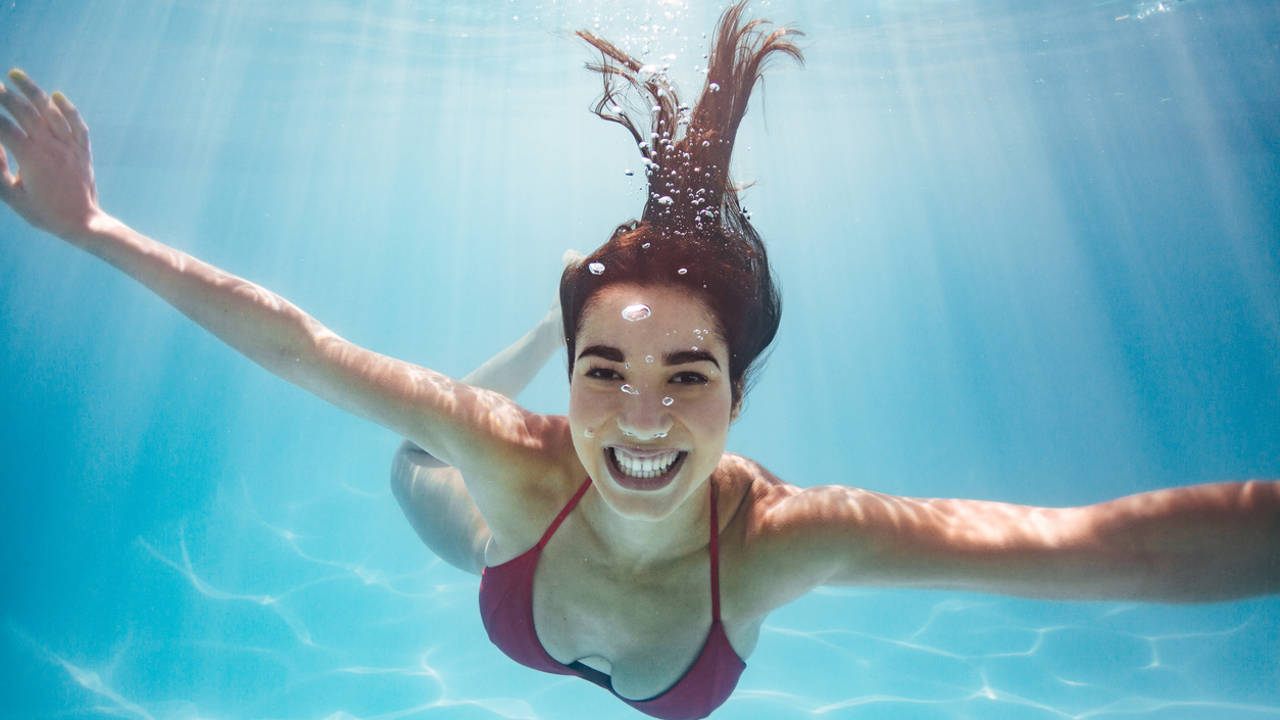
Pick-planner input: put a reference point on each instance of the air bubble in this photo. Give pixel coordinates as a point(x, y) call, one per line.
point(646, 245)
point(682, 271)
point(665, 200)
point(648, 359)
point(636, 312)
point(628, 172)
point(586, 433)
point(668, 401)
point(596, 268)
point(629, 390)
point(714, 87)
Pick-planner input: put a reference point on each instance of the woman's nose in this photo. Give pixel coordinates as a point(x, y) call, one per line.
point(644, 415)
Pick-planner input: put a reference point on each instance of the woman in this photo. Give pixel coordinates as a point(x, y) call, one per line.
point(621, 542)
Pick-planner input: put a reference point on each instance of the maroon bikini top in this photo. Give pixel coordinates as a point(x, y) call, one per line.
point(506, 607)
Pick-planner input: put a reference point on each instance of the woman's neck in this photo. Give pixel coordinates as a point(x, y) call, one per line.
point(638, 544)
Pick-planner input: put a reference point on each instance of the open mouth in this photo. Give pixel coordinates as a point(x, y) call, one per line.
point(643, 469)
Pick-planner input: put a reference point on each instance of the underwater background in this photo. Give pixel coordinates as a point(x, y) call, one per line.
point(1029, 251)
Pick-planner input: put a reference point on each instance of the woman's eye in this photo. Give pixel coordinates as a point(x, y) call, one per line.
point(603, 374)
point(689, 378)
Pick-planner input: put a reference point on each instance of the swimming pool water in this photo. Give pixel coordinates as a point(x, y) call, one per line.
point(1029, 252)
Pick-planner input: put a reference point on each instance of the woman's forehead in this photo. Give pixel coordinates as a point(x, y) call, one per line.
point(667, 315)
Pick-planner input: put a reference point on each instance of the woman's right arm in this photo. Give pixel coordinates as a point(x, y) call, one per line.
point(470, 428)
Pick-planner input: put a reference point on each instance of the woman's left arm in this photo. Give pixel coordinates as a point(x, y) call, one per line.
point(1202, 543)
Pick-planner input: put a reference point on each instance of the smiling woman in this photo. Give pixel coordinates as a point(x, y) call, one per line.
point(621, 543)
point(649, 402)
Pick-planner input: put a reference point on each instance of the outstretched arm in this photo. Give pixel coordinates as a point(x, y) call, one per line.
point(55, 191)
point(1201, 543)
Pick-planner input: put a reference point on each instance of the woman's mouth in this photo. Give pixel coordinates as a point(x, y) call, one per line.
point(637, 469)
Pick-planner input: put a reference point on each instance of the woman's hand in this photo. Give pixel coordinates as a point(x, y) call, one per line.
point(54, 188)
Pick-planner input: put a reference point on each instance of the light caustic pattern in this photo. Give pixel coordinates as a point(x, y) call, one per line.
point(341, 638)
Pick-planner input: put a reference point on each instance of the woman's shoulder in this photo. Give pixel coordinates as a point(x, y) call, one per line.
point(534, 484)
point(758, 492)
point(773, 532)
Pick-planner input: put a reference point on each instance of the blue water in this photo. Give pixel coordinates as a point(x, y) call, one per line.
point(1030, 251)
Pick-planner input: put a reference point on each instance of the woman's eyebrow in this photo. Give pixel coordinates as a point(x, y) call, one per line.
point(689, 356)
point(605, 352)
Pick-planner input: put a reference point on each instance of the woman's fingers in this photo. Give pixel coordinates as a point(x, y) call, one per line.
point(41, 105)
point(28, 88)
point(26, 116)
point(79, 130)
point(11, 135)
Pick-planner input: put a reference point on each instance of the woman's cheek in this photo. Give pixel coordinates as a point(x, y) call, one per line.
point(585, 406)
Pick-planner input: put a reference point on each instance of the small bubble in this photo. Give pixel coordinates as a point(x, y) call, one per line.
point(705, 143)
point(665, 200)
point(668, 401)
point(648, 359)
point(629, 390)
point(586, 433)
point(626, 366)
point(659, 435)
point(694, 348)
point(646, 245)
point(714, 87)
point(628, 172)
point(596, 268)
point(635, 313)
point(682, 271)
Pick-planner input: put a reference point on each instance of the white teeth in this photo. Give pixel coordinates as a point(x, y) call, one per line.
point(647, 467)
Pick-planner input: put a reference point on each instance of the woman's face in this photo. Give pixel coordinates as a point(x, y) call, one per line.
point(650, 398)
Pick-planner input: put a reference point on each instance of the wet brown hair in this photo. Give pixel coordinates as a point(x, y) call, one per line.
point(693, 235)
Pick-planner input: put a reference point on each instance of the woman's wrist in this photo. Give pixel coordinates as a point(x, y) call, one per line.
point(92, 230)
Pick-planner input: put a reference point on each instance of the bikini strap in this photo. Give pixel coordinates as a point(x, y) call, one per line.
point(568, 508)
point(715, 557)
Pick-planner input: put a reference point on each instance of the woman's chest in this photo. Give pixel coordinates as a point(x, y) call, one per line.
point(642, 628)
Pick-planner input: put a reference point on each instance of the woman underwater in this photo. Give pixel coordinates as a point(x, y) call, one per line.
point(621, 542)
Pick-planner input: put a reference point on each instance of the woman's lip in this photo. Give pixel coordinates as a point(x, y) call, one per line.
point(643, 453)
point(644, 484)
